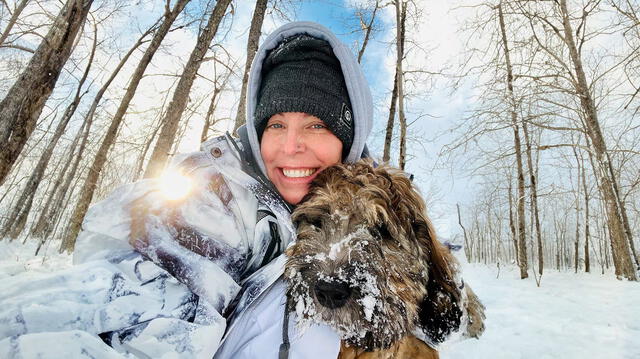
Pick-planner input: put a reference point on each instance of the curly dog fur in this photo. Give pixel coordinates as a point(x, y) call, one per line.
point(367, 263)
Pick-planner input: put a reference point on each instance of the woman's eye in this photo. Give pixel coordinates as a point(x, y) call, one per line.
point(318, 126)
point(275, 125)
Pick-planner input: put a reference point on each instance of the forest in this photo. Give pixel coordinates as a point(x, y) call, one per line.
point(95, 94)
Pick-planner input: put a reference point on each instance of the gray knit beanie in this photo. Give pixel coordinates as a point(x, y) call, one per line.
point(303, 75)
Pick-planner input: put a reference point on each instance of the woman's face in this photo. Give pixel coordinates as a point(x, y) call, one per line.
point(295, 147)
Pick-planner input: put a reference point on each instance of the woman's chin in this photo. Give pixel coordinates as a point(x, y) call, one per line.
point(293, 197)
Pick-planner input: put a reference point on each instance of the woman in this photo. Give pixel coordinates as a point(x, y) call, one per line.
point(309, 87)
point(309, 107)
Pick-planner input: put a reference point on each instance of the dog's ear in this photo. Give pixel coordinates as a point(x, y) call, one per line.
point(440, 312)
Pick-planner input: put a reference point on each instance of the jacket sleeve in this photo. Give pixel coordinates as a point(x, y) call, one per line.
point(152, 275)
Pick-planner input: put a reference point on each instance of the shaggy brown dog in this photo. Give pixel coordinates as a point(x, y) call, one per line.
point(367, 263)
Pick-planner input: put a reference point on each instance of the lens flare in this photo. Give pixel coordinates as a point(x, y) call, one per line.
point(175, 186)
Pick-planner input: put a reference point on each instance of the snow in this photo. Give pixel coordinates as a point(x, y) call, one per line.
point(337, 248)
point(50, 301)
point(16, 258)
point(43, 346)
point(570, 316)
point(368, 303)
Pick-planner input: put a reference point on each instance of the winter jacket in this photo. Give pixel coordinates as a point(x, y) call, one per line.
point(155, 277)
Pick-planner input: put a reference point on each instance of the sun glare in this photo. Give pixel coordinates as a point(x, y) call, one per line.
point(175, 186)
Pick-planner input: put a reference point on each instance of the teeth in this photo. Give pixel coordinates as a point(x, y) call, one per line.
point(299, 173)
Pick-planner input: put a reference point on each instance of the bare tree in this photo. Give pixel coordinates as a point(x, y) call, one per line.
point(181, 95)
point(467, 244)
point(252, 47)
point(388, 137)
point(562, 99)
point(18, 217)
point(603, 169)
point(220, 82)
point(522, 248)
point(586, 196)
point(533, 192)
point(630, 13)
point(367, 26)
point(398, 85)
point(12, 20)
point(90, 182)
point(22, 106)
point(401, 16)
point(43, 225)
point(512, 226)
point(52, 209)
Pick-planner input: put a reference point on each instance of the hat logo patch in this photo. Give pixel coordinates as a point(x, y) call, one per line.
point(346, 116)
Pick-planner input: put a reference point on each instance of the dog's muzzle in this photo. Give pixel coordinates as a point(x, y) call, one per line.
point(332, 294)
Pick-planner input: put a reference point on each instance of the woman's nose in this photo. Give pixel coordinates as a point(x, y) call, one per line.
point(293, 142)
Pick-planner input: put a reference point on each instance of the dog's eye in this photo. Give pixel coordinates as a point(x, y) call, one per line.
point(381, 232)
point(301, 219)
point(315, 224)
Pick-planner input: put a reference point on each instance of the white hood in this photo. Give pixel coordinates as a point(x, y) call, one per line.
point(359, 92)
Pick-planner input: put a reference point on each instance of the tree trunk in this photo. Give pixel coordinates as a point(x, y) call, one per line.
point(43, 225)
point(557, 235)
point(522, 247)
point(209, 117)
point(577, 237)
point(401, 15)
point(367, 31)
point(534, 198)
point(467, 247)
point(627, 229)
point(22, 106)
point(512, 227)
point(608, 182)
point(181, 95)
point(587, 264)
point(90, 182)
point(625, 219)
point(20, 213)
point(147, 145)
point(12, 21)
point(252, 47)
point(388, 137)
point(45, 218)
point(605, 248)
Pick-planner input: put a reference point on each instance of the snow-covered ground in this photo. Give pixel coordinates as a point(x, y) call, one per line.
point(16, 258)
point(570, 316)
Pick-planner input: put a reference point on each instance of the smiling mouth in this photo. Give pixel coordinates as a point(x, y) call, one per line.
point(298, 173)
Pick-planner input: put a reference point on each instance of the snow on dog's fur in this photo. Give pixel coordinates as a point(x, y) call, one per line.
point(367, 262)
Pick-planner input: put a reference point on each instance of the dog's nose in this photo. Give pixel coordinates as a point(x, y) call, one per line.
point(332, 295)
